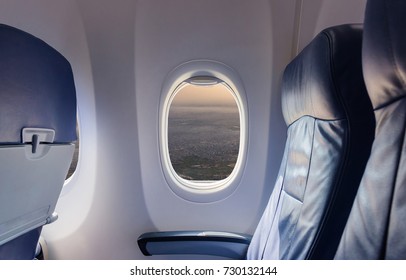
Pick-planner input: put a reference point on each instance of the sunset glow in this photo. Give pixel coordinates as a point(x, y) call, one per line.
point(192, 95)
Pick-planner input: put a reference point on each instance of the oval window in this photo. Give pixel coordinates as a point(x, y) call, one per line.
point(203, 130)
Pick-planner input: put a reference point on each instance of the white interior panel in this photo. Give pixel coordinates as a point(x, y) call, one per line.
point(238, 34)
point(317, 15)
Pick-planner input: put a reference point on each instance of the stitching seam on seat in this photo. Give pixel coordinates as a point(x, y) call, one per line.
point(304, 196)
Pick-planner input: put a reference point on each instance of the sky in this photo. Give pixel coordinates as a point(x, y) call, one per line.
point(193, 95)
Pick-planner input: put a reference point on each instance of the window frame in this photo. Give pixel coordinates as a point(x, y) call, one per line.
point(77, 149)
point(199, 191)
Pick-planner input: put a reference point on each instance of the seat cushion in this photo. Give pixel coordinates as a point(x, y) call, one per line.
point(377, 225)
point(330, 132)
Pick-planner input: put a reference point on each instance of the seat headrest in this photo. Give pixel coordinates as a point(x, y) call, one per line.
point(384, 51)
point(322, 79)
point(36, 88)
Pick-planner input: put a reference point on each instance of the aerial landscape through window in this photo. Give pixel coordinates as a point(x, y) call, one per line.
point(204, 132)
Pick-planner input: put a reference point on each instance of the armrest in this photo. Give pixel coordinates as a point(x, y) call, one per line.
point(224, 244)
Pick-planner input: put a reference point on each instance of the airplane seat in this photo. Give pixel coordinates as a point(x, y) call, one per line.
point(330, 132)
point(37, 128)
point(376, 227)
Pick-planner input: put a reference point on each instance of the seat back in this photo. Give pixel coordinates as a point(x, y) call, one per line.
point(377, 224)
point(37, 128)
point(330, 132)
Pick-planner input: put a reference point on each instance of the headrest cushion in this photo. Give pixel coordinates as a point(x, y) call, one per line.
point(325, 77)
point(384, 51)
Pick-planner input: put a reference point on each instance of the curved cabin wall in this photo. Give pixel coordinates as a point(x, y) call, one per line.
point(121, 53)
point(315, 15)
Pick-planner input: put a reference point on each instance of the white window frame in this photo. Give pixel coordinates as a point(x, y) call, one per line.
point(202, 191)
point(68, 179)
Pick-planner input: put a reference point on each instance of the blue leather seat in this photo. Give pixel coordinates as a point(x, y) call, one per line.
point(377, 224)
point(330, 132)
point(37, 128)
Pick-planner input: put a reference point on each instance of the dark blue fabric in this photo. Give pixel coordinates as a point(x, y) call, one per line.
point(21, 248)
point(36, 88)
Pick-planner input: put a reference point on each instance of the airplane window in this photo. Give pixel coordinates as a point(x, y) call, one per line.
point(74, 163)
point(203, 130)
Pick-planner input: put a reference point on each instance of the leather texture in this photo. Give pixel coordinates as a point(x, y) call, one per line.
point(330, 132)
point(36, 86)
point(376, 227)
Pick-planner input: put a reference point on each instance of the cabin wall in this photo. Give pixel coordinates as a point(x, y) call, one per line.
point(315, 15)
point(121, 53)
point(238, 34)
